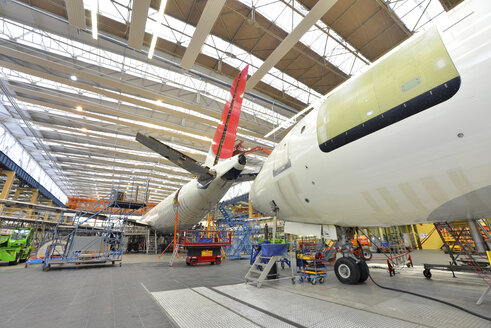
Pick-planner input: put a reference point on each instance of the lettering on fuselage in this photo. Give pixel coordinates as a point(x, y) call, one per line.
point(414, 78)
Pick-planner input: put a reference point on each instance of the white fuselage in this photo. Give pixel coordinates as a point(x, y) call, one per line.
point(194, 201)
point(432, 166)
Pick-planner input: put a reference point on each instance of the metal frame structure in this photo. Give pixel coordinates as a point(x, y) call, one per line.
point(103, 243)
point(471, 261)
point(242, 231)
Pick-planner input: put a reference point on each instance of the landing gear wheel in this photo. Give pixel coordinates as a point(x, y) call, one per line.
point(427, 273)
point(321, 280)
point(313, 281)
point(367, 254)
point(347, 271)
point(364, 271)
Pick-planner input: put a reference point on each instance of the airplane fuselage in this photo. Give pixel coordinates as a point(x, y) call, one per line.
point(195, 200)
point(434, 165)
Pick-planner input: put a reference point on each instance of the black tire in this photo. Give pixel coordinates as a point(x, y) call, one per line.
point(367, 254)
point(346, 270)
point(16, 261)
point(24, 260)
point(364, 271)
point(321, 280)
point(313, 281)
point(427, 273)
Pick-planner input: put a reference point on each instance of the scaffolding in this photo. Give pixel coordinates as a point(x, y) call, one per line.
point(91, 236)
point(242, 230)
point(466, 260)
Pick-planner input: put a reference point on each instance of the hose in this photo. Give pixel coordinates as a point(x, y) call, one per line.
point(430, 298)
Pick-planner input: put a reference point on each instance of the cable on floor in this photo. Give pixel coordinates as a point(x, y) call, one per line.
point(430, 298)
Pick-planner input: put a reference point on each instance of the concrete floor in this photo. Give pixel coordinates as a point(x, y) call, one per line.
point(146, 292)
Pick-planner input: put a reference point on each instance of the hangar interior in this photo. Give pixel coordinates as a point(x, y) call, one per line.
point(79, 79)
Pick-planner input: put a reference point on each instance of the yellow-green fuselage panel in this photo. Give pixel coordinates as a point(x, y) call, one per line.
point(413, 78)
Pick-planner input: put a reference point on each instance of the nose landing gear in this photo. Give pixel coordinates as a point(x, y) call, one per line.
point(351, 268)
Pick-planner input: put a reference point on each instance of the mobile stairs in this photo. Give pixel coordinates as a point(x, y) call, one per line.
point(265, 265)
point(261, 270)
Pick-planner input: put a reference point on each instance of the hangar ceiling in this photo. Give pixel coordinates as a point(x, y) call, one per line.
point(75, 103)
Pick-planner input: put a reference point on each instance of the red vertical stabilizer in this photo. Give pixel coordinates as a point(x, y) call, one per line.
point(223, 143)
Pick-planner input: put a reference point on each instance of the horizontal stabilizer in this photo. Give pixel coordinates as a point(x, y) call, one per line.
point(176, 157)
point(246, 177)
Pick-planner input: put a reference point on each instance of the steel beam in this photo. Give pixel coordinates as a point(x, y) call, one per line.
point(205, 24)
point(309, 20)
point(76, 13)
point(139, 14)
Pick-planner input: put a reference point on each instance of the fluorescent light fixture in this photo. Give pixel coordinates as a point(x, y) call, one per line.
point(79, 108)
point(94, 19)
point(160, 16)
point(73, 78)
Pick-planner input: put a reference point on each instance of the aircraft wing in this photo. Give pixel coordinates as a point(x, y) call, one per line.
point(182, 160)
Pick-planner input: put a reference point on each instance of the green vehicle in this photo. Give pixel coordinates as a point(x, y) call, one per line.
point(16, 247)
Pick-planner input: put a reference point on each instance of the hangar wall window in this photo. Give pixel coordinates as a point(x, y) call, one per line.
point(10, 146)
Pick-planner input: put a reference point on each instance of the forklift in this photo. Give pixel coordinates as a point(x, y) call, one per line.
point(16, 246)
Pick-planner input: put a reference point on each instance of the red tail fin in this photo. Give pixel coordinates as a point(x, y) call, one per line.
point(224, 140)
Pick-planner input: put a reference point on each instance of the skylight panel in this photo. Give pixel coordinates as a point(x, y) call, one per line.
point(416, 14)
point(287, 15)
point(116, 10)
point(84, 52)
point(214, 47)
